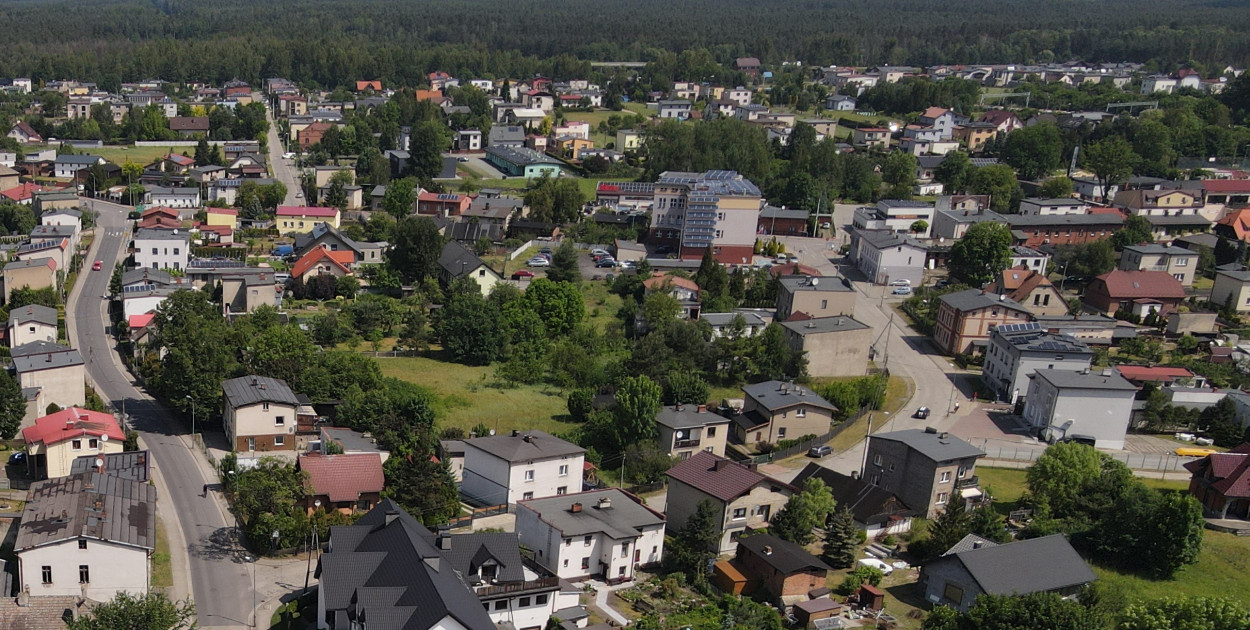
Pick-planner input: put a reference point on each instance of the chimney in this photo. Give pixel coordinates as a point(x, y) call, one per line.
point(854, 474)
point(753, 467)
point(391, 515)
point(444, 538)
point(768, 550)
point(576, 508)
point(515, 433)
point(977, 544)
point(254, 381)
point(721, 464)
point(529, 439)
point(702, 408)
point(943, 435)
point(930, 430)
point(677, 407)
point(49, 359)
point(605, 503)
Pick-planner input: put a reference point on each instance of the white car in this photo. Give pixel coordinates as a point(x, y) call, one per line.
point(885, 569)
point(538, 261)
point(900, 283)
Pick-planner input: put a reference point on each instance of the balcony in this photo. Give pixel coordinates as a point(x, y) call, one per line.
point(968, 482)
point(518, 587)
point(686, 443)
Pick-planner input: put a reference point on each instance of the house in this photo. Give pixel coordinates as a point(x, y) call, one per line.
point(886, 257)
point(1170, 212)
point(443, 204)
point(24, 133)
point(32, 273)
point(388, 568)
point(322, 261)
point(1004, 121)
point(1035, 230)
point(258, 414)
point(974, 135)
point(774, 410)
point(979, 567)
point(1139, 292)
point(965, 318)
point(743, 496)
point(299, 219)
point(1231, 289)
point(1037, 206)
point(458, 262)
point(349, 441)
point(814, 296)
point(506, 136)
point(786, 572)
point(32, 323)
point(684, 290)
point(687, 429)
point(189, 126)
point(679, 109)
point(160, 217)
point(1028, 258)
point(725, 205)
point(774, 220)
point(895, 215)
point(346, 483)
point(953, 223)
point(58, 373)
point(134, 465)
point(605, 533)
point(1031, 289)
point(1158, 83)
point(469, 140)
point(67, 166)
point(1221, 483)
point(840, 103)
point(941, 119)
point(501, 469)
point(1061, 404)
point(1181, 263)
point(926, 469)
point(326, 236)
point(55, 440)
point(871, 137)
point(876, 510)
point(523, 162)
point(833, 346)
point(743, 322)
point(1017, 350)
point(55, 235)
point(628, 140)
point(173, 197)
point(58, 251)
point(747, 65)
point(1235, 225)
point(221, 217)
point(9, 178)
point(161, 249)
point(247, 291)
point(89, 535)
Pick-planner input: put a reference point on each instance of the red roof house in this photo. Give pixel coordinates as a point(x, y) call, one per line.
point(346, 482)
point(1221, 483)
point(361, 86)
point(1235, 225)
point(1139, 292)
point(55, 440)
point(1141, 374)
point(320, 261)
point(22, 193)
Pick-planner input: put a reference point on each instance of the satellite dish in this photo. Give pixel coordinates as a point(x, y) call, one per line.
point(99, 461)
point(893, 127)
point(681, 435)
point(492, 431)
point(815, 281)
point(104, 438)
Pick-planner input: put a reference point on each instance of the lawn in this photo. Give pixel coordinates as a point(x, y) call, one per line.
point(139, 155)
point(162, 572)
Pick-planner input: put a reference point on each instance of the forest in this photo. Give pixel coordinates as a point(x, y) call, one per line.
point(329, 43)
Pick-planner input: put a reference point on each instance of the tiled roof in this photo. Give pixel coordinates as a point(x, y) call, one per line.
point(307, 211)
point(527, 446)
point(249, 390)
point(343, 477)
point(34, 313)
point(973, 299)
point(341, 259)
point(717, 476)
point(660, 280)
point(621, 518)
point(1121, 284)
point(89, 505)
point(72, 423)
point(1158, 373)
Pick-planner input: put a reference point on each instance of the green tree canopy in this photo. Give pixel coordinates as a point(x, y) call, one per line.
point(150, 611)
point(1112, 161)
point(1016, 612)
point(416, 249)
point(983, 252)
point(558, 304)
point(637, 403)
point(1136, 231)
point(399, 197)
point(1184, 613)
point(1034, 151)
point(803, 513)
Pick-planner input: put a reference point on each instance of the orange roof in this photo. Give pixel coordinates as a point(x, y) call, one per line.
point(1153, 373)
point(72, 423)
point(22, 191)
point(428, 95)
point(340, 259)
point(141, 321)
point(1239, 222)
point(361, 86)
point(658, 280)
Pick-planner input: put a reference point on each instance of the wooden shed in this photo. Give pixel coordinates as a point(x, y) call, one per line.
point(807, 612)
point(870, 597)
point(732, 579)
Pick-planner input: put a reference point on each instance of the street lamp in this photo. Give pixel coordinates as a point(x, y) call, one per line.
point(192, 418)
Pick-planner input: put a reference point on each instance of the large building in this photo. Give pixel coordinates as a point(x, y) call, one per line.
point(717, 209)
point(927, 470)
point(1062, 404)
point(503, 469)
point(1017, 350)
point(965, 318)
point(606, 533)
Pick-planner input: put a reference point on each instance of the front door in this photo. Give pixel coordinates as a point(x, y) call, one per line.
point(251, 444)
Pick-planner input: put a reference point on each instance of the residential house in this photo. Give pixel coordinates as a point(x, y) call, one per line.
point(774, 410)
point(840, 103)
point(1035, 230)
point(774, 220)
point(724, 324)
point(953, 223)
point(54, 441)
point(322, 261)
point(173, 197)
point(716, 209)
point(974, 135)
point(55, 235)
point(940, 119)
point(1028, 258)
point(506, 136)
point(9, 178)
point(1017, 350)
point(886, 257)
point(32, 323)
point(684, 290)
point(744, 498)
point(162, 249)
point(965, 318)
point(871, 137)
point(1139, 292)
point(189, 126)
point(976, 567)
point(31, 273)
point(1004, 121)
point(1232, 289)
point(458, 262)
point(312, 134)
point(1039, 206)
point(895, 215)
point(628, 140)
point(926, 469)
point(679, 109)
point(605, 533)
point(1170, 212)
point(24, 133)
point(160, 217)
point(833, 346)
point(452, 453)
point(814, 297)
point(786, 572)
point(350, 442)
point(244, 292)
point(58, 251)
point(1181, 263)
point(687, 429)
point(1031, 289)
point(348, 484)
point(258, 414)
point(505, 469)
point(326, 236)
point(522, 162)
point(67, 166)
point(89, 535)
point(469, 140)
point(443, 204)
point(299, 219)
point(876, 510)
point(133, 465)
point(221, 217)
point(1221, 483)
point(58, 373)
point(1062, 404)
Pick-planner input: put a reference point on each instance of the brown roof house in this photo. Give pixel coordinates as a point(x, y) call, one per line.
point(1139, 292)
point(786, 572)
point(189, 126)
point(965, 318)
point(745, 497)
point(1032, 289)
point(1221, 482)
point(346, 483)
point(775, 410)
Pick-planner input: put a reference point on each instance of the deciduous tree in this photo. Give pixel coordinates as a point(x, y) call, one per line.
point(150, 611)
point(983, 252)
point(803, 513)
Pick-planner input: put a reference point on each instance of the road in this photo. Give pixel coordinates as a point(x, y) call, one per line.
point(220, 587)
point(283, 169)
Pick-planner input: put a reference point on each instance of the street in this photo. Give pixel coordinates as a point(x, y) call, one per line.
point(283, 169)
point(222, 584)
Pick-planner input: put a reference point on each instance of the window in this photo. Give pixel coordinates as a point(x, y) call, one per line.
point(876, 459)
point(734, 536)
point(539, 600)
point(781, 433)
point(953, 593)
point(527, 496)
point(568, 541)
point(740, 513)
point(1182, 262)
point(962, 471)
point(801, 412)
point(481, 273)
point(620, 571)
point(501, 604)
point(76, 445)
point(279, 440)
point(762, 511)
point(155, 251)
point(264, 406)
point(711, 432)
point(525, 601)
point(562, 490)
point(946, 477)
point(529, 475)
point(942, 497)
point(587, 540)
point(175, 251)
point(566, 563)
point(585, 563)
point(82, 544)
point(279, 420)
point(47, 574)
point(84, 574)
point(93, 443)
point(824, 304)
point(625, 551)
point(564, 470)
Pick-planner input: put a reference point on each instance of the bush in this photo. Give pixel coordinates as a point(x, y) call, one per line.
point(860, 576)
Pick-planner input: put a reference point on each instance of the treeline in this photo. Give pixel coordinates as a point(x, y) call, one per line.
point(330, 43)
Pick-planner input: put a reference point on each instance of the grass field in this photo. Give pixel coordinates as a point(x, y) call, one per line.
point(162, 571)
point(138, 155)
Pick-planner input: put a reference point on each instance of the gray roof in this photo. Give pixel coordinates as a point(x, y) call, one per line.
point(468, 552)
point(622, 519)
point(687, 416)
point(352, 441)
point(868, 503)
point(1184, 219)
point(146, 276)
point(1066, 379)
point(527, 446)
point(521, 156)
point(968, 543)
point(1025, 566)
point(969, 216)
point(972, 299)
point(939, 447)
point(51, 361)
point(782, 555)
point(773, 212)
point(883, 240)
point(1020, 250)
point(1032, 337)
point(1241, 275)
point(457, 260)
point(1201, 239)
point(774, 395)
point(1030, 220)
point(1155, 248)
point(37, 347)
point(133, 465)
point(66, 509)
point(1065, 201)
point(905, 203)
point(52, 231)
point(250, 390)
point(27, 263)
point(794, 284)
point(506, 133)
point(34, 313)
point(726, 319)
point(66, 211)
point(78, 159)
point(153, 234)
point(824, 325)
point(161, 190)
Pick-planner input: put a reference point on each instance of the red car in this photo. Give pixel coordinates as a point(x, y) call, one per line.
point(524, 273)
point(98, 264)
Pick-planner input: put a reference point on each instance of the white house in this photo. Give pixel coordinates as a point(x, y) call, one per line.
point(161, 249)
point(56, 370)
point(1062, 404)
point(173, 197)
point(1067, 205)
point(503, 469)
point(606, 533)
point(62, 216)
point(87, 535)
point(67, 165)
point(1028, 258)
point(678, 108)
point(886, 257)
point(54, 441)
point(1015, 351)
point(259, 414)
point(32, 323)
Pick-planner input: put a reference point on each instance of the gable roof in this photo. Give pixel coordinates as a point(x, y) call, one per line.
point(718, 476)
point(939, 447)
point(782, 555)
point(307, 211)
point(50, 361)
point(865, 501)
point(25, 129)
point(457, 260)
point(1230, 472)
point(135, 465)
point(250, 390)
point(1238, 221)
point(22, 191)
point(687, 416)
point(1153, 373)
point(66, 509)
point(34, 313)
point(1025, 566)
point(342, 477)
point(341, 259)
point(522, 447)
point(1121, 284)
point(660, 280)
point(72, 423)
point(621, 518)
point(973, 299)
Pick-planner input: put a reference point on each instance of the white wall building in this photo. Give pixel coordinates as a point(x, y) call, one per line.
point(173, 197)
point(1016, 351)
point(603, 532)
point(509, 468)
point(161, 249)
point(32, 323)
point(1065, 404)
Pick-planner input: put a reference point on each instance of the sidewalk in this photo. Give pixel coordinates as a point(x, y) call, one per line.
point(601, 601)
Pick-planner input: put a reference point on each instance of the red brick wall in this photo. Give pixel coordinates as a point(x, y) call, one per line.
point(265, 443)
point(1061, 235)
point(726, 254)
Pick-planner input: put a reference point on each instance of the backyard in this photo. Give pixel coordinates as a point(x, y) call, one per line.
point(119, 154)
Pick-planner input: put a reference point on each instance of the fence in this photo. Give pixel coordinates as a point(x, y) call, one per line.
point(802, 447)
point(1163, 462)
point(521, 250)
point(184, 143)
point(476, 513)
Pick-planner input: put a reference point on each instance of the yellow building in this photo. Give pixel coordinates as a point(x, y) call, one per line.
point(300, 219)
point(57, 439)
point(226, 217)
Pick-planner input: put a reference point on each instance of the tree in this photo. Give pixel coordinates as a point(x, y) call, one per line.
point(803, 513)
point(1136, 231)
point(399, 197)
point(426, 146)
point(151, 611)
point(983, 252)
point(947, 529)
point(1112, 161)
point(564, 264)
point(554, 200)
point(658, 308)
point(1056, 188)
point(899, 172)
point(12, 406)
point(422, 486)
point(1184, 613)
point(1087, 259)
point(841, 540)
point(955, 172)
point(1014, 612)
point(1221, 423)
point(468, 325)
point(416, 249)
point(558, 304)
point(1034, 151)
point(637, 403)
point(646, 463)
point(695, 544)
point(919, 226)
point(685, 388)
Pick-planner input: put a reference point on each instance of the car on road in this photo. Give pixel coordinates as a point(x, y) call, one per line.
point(606, 261)
point(900, 283)
point(901, 291)
point(287, 156)
point(819, 451)
point(463, 159)
point(522, 274)
point(97, 265)
point(538, 261)
point(299, 195)
point(921, 413)
point(825, 225)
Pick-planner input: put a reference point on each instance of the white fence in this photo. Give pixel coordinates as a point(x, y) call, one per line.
point(189, 143)
point(1165, 462)
point(518, 252)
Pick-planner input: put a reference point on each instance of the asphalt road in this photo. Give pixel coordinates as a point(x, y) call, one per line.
point(220, 579)
point(282, 168)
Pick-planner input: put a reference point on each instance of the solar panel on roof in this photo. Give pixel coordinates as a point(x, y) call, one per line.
point(1014, 328)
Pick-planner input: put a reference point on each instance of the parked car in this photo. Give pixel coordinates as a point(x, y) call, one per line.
point(921, 413)
point(819, 451)
point(1076, 438)
point(884, 567)
point(538, 261)
point(900, 283)
point(825, 225)
point(522, 274)
point(17, 458)
point(97, 265)
point(606, 261)
point(629, 264)
point(463, 159)
point(599, 252)
point(901, 291)
point(546, 250)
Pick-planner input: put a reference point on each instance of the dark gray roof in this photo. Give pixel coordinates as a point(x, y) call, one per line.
point(78, 159)
point(66, 211)
point(146, 276)
point(520, 156)
point(794, 284)
point(468, 552)
point(1032, 337)
point(1202, 240)
point(66, 509)
point(1155, 248)
point(1240, 275)
point(1030, 220)
point(52, 231)
point(1020, 250)
point(527, 446)
point(352, 441)
point(868, 503)
point(34, 313)
point(1066, 201)
point(37, 347)
point(773, 212)
point(133, 465)
point(968, 543)
point(152, 234)
point(961, 216)
point(623, 518)
point(687, 416)
point(505, 133)
point(972, 299)
point(782, 555)
point(1065, 379)
point(1183, 219)
point(27, 263)
point(881, 239)
point(726, 319)
point(905, 203)
point(939, 447)
point(250, 390)
point(457, 260)
point(39, 362)
point(774, 395)
point(1025, 566)
point(321, 231)
point(824, 325)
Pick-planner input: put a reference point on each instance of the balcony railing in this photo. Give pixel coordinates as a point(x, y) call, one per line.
point(517, 587)
point(968, 482)
point(685, 443)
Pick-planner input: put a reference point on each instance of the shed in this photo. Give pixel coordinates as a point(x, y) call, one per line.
point(870, 597)
point(813, 609)
point(731, 579)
